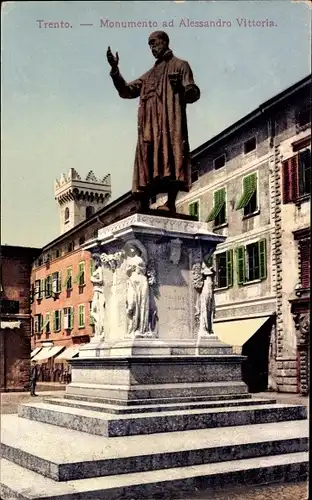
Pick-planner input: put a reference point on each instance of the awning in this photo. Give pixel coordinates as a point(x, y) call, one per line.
point(47, 353)
point(237, 332)
point(35, 351)
point(69, 353)
point(10, 324)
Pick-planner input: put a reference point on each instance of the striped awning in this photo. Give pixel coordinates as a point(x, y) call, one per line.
point(35, 351)
point(47, 353)
point(69, 353)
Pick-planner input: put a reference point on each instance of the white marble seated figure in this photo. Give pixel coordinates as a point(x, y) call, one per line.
point(98, 301)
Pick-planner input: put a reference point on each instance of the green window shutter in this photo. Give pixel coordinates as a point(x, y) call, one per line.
point(194, 209)
point(54, 321)
point(218, 202)
point(249, 188)
point(262, 259)
point(229, 268)
point(92, 267)
point(60, 320)
point(240, 263)
point(71, 317)
point(81, 315)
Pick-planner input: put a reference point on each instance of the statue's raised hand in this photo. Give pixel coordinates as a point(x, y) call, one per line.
point(112, 60)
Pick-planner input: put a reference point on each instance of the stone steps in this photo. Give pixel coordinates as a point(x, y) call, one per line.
point(115, 409)
point(22, 484)
point(156, 401)
point(63, 454)
point(155, 391)
point(110, 425)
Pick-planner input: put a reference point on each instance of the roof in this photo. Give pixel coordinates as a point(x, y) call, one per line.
point(266, 107)
point(17, 251)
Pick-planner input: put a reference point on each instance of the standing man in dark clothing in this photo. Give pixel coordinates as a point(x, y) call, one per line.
point(33, 378)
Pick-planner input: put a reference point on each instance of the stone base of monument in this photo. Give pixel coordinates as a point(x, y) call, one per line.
point(162, 416)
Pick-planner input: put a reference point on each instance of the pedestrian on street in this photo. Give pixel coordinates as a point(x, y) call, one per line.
point(33, 378)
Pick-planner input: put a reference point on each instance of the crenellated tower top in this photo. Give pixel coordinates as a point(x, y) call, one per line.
point(79, 198)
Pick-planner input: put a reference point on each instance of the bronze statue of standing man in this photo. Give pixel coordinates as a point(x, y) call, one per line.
point(162, 158)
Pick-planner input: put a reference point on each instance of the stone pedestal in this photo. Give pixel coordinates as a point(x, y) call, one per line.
point(157, 408)
point(154, 264)
point(166, 252)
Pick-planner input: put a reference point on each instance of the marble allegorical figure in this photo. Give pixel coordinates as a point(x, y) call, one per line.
point(203, 276)
point(98, 300)
point(140, 302)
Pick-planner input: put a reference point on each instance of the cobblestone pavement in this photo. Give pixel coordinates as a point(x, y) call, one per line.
point(11, 400)
point(289, 491)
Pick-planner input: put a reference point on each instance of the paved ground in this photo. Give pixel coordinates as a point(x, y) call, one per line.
point(298, 491)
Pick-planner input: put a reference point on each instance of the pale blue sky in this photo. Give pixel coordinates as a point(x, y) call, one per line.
point(60, 110)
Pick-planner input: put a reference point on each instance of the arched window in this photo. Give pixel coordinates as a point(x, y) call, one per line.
point(89, 211)
point(66, 214)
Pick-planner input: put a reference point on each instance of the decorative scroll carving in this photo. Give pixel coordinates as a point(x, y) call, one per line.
point(141, 285)
point(112, 261)
point(302, 324)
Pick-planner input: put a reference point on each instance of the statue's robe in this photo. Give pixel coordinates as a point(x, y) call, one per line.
point(162, 158)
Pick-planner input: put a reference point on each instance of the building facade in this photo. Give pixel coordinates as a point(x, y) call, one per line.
point(15, 331)
point(238, 178)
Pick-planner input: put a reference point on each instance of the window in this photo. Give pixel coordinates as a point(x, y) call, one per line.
point(249, 145)
point(194, 209)
point(251, 262)
point(48, 287)
point(194, 173)
point(82, 239)
point(70, 246)
point(218, 212)
point(248, 200)
point(219, 162)
point(56, 282)
point(296, 176)
point(95, 233)
point(39, 289)
point(68, 318)
point(89, 211)
point(46, 324)
point(57, 321)
point(66, 214)
point(224, 269)
point(57, 254)
point(38, 323)
point(304, 116)
point(304, 254)
point(81, 316)
point(69, 278)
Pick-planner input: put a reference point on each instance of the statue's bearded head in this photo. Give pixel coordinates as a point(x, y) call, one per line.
point(159, 43)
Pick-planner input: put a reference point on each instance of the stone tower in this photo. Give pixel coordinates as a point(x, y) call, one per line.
point(80, 198)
